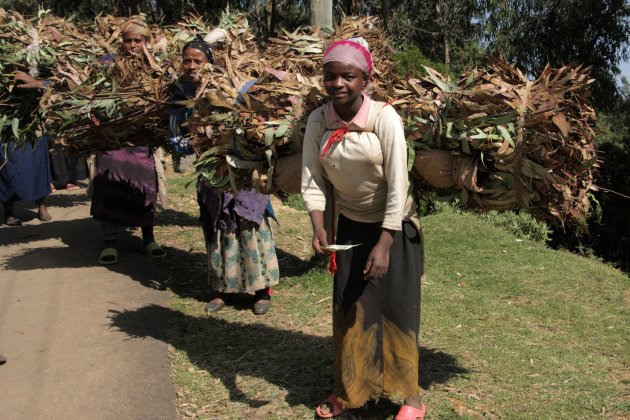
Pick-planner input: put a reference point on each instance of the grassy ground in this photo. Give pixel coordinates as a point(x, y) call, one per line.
point(510, 329)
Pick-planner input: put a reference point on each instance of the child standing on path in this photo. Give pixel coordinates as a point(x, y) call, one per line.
point(355, 149)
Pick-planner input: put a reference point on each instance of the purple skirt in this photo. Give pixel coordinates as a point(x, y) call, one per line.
point(125, 187)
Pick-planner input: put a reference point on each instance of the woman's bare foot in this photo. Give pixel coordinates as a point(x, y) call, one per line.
point(42, 213)
point(415, 402)
point(9, 218)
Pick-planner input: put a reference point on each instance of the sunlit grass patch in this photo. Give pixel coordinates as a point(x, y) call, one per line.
point(510, 328)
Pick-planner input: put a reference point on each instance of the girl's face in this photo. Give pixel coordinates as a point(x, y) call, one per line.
point(133, 42)
point(344, 83)
point(192, 60)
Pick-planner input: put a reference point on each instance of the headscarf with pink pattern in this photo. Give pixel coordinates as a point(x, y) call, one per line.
point(353, 51)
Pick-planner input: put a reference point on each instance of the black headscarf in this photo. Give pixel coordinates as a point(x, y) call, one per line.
point(201, 45)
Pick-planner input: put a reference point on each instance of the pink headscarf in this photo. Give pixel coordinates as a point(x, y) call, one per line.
point(353, 51)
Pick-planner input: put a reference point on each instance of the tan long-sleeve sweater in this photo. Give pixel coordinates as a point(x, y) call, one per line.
point(368, 169)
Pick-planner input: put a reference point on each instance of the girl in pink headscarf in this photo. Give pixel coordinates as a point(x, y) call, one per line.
point(355, 164)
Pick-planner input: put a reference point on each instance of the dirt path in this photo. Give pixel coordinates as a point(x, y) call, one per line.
point(69, 355)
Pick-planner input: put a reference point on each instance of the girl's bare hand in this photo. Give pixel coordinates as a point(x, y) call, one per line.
point(377, 263)
point(320, 240)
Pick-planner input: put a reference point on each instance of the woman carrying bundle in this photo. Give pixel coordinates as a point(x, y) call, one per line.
point(239, 241)
point(355, 148)
point(125, 184)
point(25, 170)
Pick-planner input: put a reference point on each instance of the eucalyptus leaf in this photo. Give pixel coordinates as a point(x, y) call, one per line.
point(15, 128)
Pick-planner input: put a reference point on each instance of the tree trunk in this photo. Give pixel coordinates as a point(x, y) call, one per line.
point(347, 6)
point(442, 8)
point(447, 53)
point(321, 13)
point(385, 13)
point(269, 15)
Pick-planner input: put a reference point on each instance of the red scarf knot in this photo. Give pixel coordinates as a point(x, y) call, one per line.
point(335, 137)
point(332, 262)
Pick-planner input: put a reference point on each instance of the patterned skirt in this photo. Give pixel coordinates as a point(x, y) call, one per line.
point(242, 261)
point(376, 322)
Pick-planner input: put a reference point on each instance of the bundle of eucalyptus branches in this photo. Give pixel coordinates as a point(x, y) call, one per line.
point(250, 130)
point(40, 46)
point(506, 142)
point(124, 102)
point(254, 102)
point(511, 143)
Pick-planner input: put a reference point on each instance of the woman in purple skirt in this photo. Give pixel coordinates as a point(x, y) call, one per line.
point(125, 183)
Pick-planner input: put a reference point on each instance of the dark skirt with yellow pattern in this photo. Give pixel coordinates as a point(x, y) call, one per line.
point(376, 322)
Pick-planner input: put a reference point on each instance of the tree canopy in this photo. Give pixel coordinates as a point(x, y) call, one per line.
point(532, 33)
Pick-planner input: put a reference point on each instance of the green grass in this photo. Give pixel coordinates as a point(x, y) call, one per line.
point(510, 329)
point(295, 201)
point(543, 333)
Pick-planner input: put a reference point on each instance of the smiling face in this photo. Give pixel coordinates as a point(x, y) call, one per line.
point(344, 83)
point(133, 42)
point(192, 60)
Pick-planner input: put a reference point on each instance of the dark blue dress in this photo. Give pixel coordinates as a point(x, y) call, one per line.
point(24, 171)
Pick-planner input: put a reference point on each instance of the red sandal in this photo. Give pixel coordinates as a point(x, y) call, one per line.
point(336, 408)
point(408, 412)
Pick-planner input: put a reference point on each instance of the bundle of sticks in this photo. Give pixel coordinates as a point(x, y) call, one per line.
point(124, 102)
point(38, 46)
point(93, 106)
point(503, 140)
point(514, 143)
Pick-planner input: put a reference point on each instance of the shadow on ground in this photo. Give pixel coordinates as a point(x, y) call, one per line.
point(297, 362)
point(80, 242)
point(189, 273)
point(66, 200)
point(173, 217)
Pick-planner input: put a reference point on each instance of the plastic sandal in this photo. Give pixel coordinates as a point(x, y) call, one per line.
point(108, 256)
point(154, 251)
point(408, 412)
point(336, 407)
